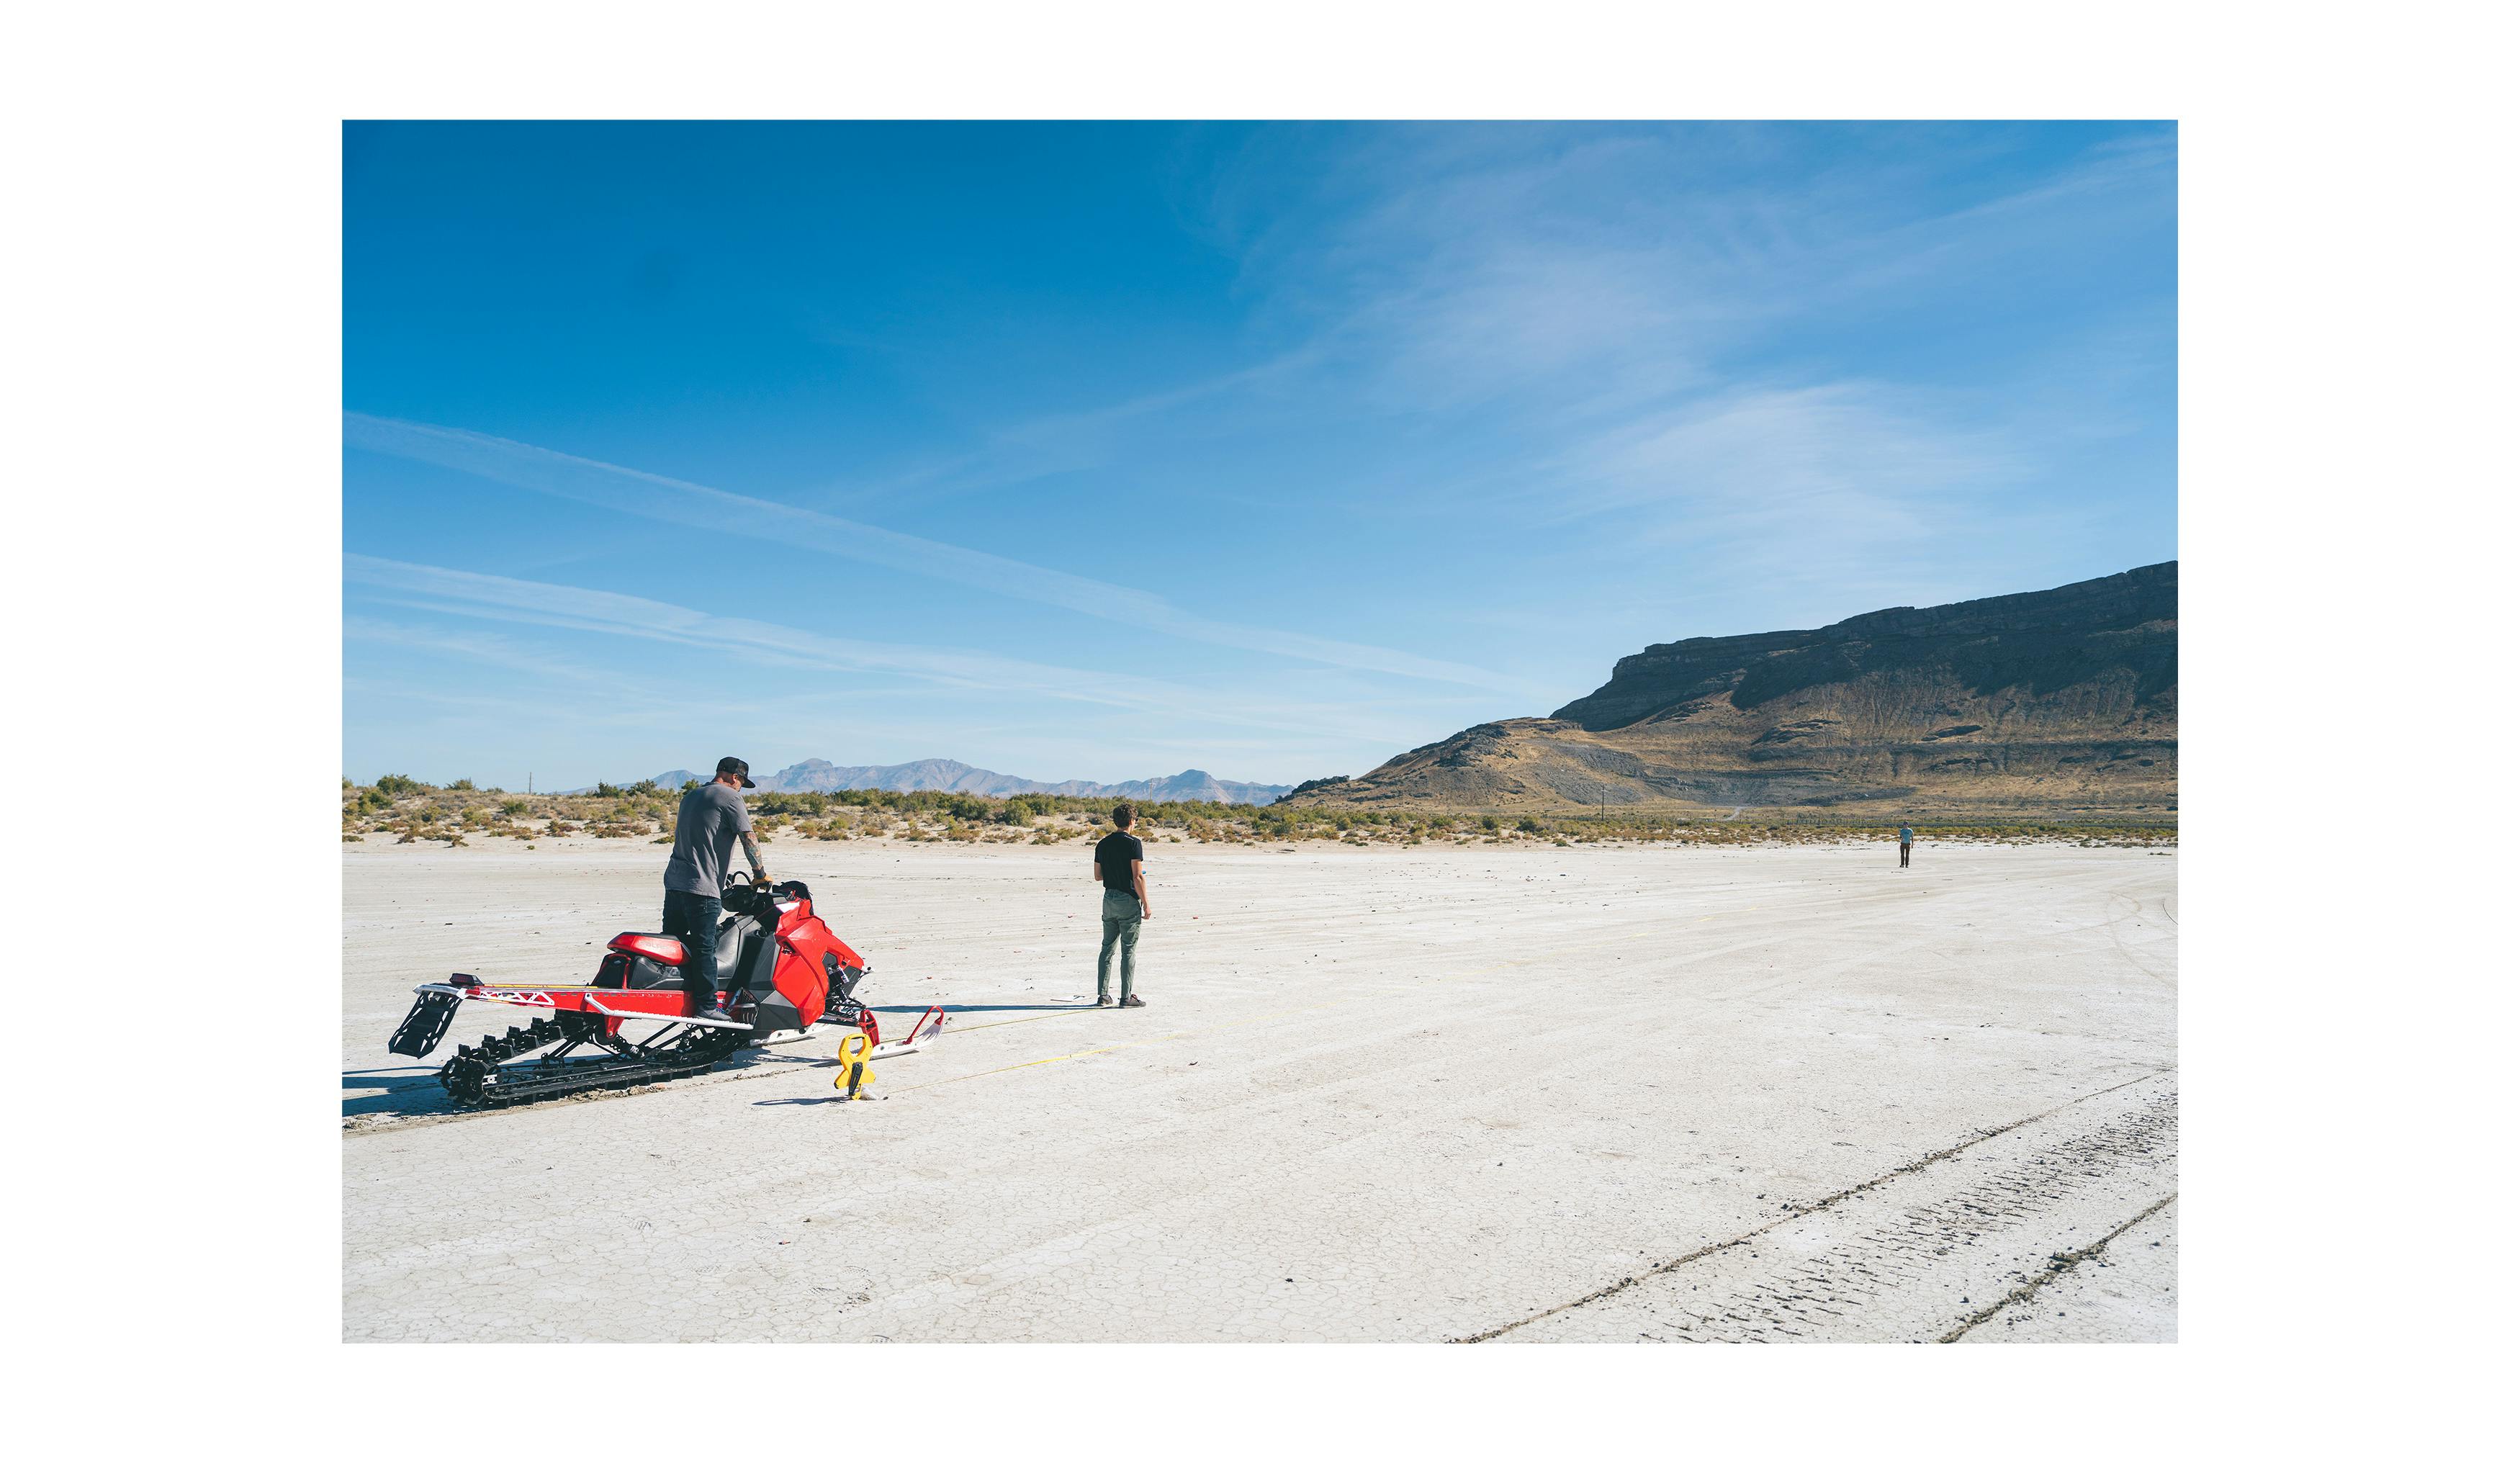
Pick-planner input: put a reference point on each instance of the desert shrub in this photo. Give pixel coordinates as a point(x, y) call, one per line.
point(1488, 821)
point(1529, 824)
point(459, 784)
point(396, 784)
point(513, 807)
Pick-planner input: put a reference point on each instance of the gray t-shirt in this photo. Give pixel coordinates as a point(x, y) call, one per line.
point(705, 831)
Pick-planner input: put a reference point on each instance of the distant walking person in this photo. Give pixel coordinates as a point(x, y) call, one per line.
point(1907, 841)
point(711, 818)
point(1119, 866)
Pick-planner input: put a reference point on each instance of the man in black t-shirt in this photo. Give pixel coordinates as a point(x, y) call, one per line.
point(1119, 866)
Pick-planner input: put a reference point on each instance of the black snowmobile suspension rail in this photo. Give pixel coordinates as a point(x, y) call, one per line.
point(489, 1075)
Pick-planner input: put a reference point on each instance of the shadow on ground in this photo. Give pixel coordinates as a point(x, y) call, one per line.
point(413, 1091)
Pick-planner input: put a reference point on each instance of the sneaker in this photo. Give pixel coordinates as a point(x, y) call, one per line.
point(1102, 1000)
point(1131, 1000)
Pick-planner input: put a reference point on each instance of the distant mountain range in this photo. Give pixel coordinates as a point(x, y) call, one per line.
point(2058, 701)
point(941, 775)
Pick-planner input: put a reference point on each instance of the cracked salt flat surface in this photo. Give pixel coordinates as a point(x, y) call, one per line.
point(1381, 1094)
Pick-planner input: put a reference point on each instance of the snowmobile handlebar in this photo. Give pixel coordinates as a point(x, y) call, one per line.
point(748, 898)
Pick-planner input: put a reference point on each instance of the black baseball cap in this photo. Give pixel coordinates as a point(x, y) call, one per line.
point(735, 765)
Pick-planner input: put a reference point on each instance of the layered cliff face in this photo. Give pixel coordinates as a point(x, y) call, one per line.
point(2065, 700)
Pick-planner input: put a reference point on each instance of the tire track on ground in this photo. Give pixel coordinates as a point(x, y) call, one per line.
point(2134, 911)
point(2061, 1265)
point(1803, 1212)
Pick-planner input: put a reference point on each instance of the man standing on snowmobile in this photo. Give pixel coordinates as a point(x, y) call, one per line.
point(711, 818)
point(1119, 866)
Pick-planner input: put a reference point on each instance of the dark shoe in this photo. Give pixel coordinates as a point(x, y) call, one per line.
point(1131, 1000)
point(1102, 1000)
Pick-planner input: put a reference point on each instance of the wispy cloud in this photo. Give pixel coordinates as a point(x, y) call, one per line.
point(600, 612)
point(1846, 458)
point(1047, 444)
point(1587, 303)
point(489, 649)
point(692, 505)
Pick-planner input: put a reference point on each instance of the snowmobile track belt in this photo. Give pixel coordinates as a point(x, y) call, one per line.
point(476, 1077)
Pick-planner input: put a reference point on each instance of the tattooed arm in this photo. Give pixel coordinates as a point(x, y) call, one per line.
point(753, 851)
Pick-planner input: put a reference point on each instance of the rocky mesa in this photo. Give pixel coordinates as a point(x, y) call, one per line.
point(2058, 702)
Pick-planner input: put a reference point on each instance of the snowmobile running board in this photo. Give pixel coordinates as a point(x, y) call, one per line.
point(492, 994)
point(598, 1006)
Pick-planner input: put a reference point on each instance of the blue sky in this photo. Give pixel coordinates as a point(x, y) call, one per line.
point(1102, 450)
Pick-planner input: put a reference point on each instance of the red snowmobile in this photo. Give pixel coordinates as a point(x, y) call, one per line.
point(788, 971)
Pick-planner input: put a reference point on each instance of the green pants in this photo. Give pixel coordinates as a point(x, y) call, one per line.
point(1120, 924)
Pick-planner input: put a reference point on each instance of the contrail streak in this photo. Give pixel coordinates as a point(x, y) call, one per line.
point(565, 607)
point(672, 500)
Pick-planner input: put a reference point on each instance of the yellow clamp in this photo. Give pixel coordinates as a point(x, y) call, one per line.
point(853, 1063)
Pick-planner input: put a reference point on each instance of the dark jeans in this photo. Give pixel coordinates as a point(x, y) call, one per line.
point(1902, 856)
point(692, 919)
point(1120, 926)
